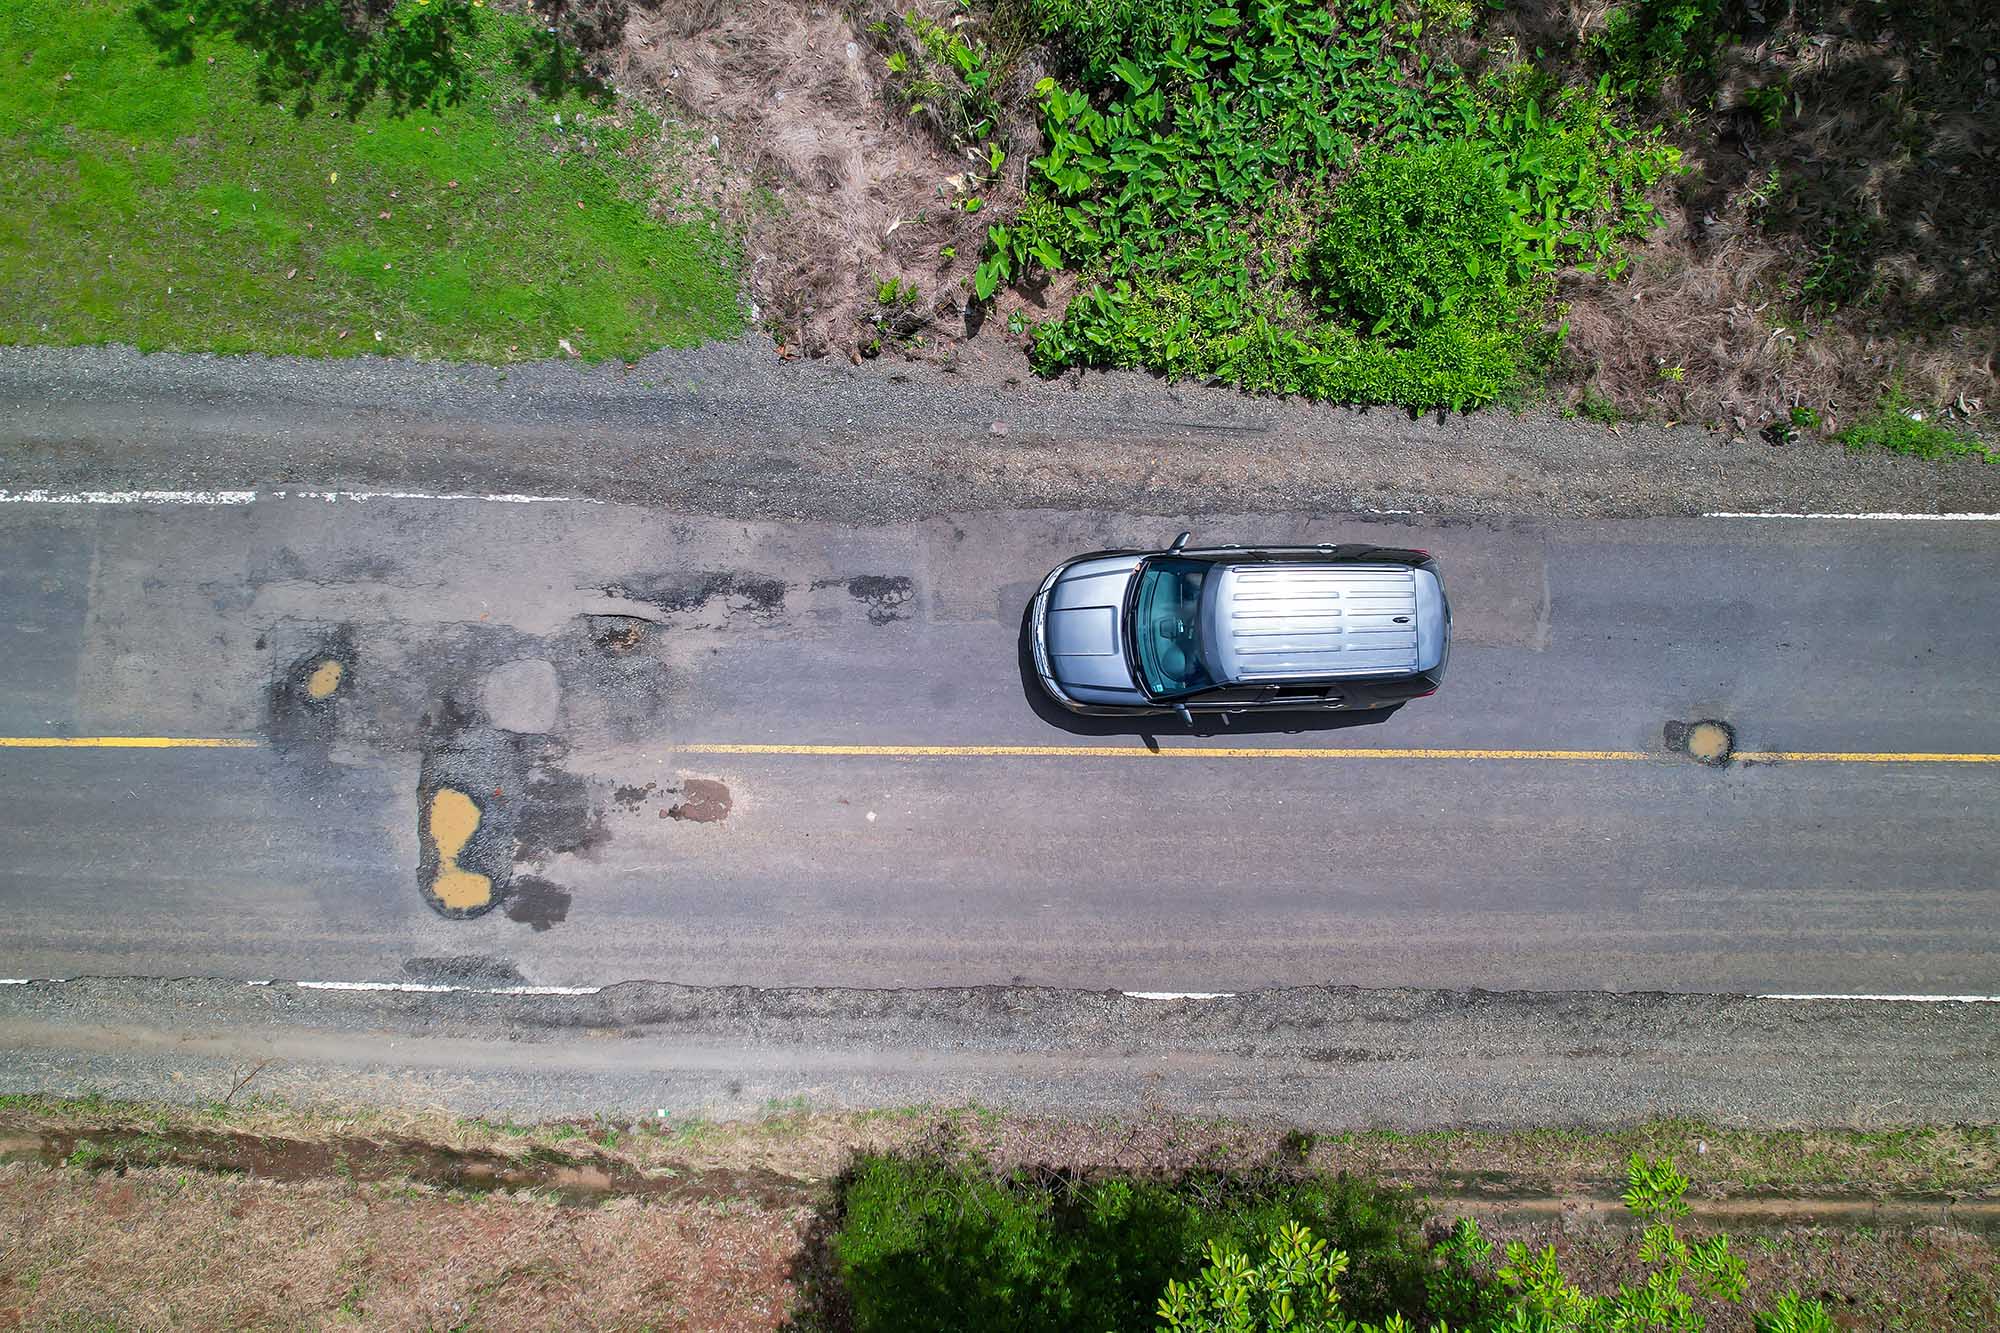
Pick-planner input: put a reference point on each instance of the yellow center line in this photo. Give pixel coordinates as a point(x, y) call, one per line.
point(125, 743)
point(1863, 757)
point(1097, 751)
point(1140, 752)
point(1289, 752)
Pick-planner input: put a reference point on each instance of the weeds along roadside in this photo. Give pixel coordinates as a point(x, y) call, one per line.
point(1183, 210)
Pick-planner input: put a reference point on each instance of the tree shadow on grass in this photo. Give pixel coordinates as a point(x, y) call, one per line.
point(348, 54)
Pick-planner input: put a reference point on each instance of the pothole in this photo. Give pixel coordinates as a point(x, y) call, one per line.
point(325, 679)
point(1708, 741)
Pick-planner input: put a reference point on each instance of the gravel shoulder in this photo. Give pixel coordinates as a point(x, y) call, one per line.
point(1322, 1060)
point(729, 429)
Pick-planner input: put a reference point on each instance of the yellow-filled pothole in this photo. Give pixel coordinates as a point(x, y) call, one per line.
point(325, 679)
point(454, 818)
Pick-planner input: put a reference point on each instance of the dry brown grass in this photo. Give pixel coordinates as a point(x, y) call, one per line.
point(836, 188)
point(158, 1248)
point(1815, 261)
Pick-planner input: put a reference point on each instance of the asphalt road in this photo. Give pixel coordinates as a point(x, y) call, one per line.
point(584, 673)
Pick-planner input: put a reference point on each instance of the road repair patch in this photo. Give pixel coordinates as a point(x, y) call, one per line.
point(305, 697)
point(1706, 742)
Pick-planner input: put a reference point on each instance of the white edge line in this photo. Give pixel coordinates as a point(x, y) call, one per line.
point(1894, 999)
point(332, 496)
point(213, 498)
point(1880, 518)
point(42, 497)
point(17, 981)
point(423, 988)
point(1179, 994)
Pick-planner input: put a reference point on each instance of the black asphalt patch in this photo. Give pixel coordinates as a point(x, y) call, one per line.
point(536, 902)
point(680, 593)
point(299, 711)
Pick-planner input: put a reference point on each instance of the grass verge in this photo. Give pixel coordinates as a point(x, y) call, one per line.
point(180, 184)
point(261, 1213)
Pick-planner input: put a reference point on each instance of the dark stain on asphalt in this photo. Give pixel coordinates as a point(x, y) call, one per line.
point(557, 816)
point(1709, 741)
point(633, 797)
point(681, 593)
point(884, 594)
point(463, 970)
point(616, 634)
point(703, 801)
point(538, 903)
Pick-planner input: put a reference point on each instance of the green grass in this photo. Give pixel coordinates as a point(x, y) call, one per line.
point(171, 206)
point(1901, 427)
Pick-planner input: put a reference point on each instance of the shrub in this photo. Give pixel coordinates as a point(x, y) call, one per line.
point(1295, 1288)
point(927, 1244)
point(1296, 198)
point(1411, 238)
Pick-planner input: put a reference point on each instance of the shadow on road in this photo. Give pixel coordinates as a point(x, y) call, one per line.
point(1149, 728)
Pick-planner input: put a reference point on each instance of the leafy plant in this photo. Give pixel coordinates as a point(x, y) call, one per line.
point(1900, 426)
point(1645, 42)
point(1295, 1287)
point(1840, 271)
point(1412, 237)
point(943, 77)
point(1292, 1287)
point(1767, 102)
point(1596, 405)
point(1217, 176)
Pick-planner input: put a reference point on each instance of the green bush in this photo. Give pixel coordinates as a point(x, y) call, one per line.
point(1410, 239)
point(924, 1244)
point(1302, 199)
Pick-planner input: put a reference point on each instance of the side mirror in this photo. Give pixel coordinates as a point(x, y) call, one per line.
point(1179, 542)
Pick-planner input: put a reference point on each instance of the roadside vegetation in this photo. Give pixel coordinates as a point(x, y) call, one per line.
point(255, 1213)
point(1754, 216)
point(934, 1244)
point(422, 178)
point(1766, 218)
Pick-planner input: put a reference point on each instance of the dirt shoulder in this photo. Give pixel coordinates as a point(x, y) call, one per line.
point(260, 1213)
point(730, 429)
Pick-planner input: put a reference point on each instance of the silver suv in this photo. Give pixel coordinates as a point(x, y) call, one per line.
point(1235, 629)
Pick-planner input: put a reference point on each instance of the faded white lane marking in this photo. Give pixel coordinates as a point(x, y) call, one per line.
point(332, 496)
point(1893, 999)
point(39, 496)
point(1179, 994)
point(1873, 518)
point(43, 497)
point(424, 988)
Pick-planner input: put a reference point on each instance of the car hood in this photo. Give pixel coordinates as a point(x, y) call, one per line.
point(1083, 647)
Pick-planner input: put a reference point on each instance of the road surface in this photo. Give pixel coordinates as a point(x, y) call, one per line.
point(718, 751)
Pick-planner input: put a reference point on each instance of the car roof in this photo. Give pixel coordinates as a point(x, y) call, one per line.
point(1304, 620)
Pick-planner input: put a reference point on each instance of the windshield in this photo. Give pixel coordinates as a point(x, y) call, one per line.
point(1166, 626)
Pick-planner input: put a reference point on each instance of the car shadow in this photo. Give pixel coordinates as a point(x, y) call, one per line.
point(1150, 727)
